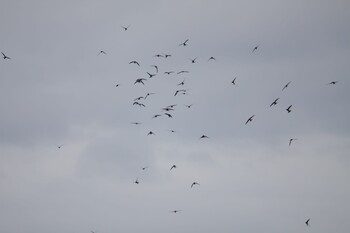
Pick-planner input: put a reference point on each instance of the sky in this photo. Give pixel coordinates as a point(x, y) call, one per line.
point(58, 90)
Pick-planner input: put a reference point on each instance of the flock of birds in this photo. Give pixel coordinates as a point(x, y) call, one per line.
point(167, 110)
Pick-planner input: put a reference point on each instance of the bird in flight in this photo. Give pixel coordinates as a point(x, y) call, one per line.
point(178, 91)
point(285, 86)
point(136, 123)
point(125, 28)
point(182, 83)
point(170, 116)
point(139, 98)
point(156, 67)
point(194, 183)
point(102, 52)
point(168, 72)
point(139, 104)
point(148, 94)
point(171, 130)
point(255, 48)
point(151, 75)
point(193, 60)
point(211, 58)
point(59, 146)
point(117, 85)
point(290, 141)
point(172, 167)
point(274, 102)
point(184, 43)
point(332, 83)
point(144, 168)
point(249, 119)
point(158, 55)
point(289, 109)
point(4, 56)
point(203, 136)
point(151, 133)
point(307, 222)
point(189, 106)
point(234, 81)
point(175, 211)
point(134, 62)
point(137, 181)
point(183, 71)
point(139, 80)
point(166, 55)
point(157, 115)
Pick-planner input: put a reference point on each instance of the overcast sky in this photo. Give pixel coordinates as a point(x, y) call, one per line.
point(57, 89)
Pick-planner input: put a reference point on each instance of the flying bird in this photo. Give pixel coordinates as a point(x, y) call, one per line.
point(144, 168)
point(139, 98)
point(134, 62)
point(285, 86)
point(170, 116)
point(289, 109)
point(194, 183)
point(175, 211)
point(183, 71)
point(166, 55)
point(203, 136)
point(139, 80)
point(173, 131)
point(249, 119)
point(125, 28)
point(59, 146)
point(148, 94)
point(168, 72)
point(332, 83)
point(184, 43)
point(151, 133)
point(234, 81)
point(156, 67)
point(158, 55)
point(182, 83)
point(157, 115)
point(193, 60)
point(274, 102)
point(151, 75)
point(137, 181)
point(290, 141)
point(307, 222)
point(101, 52)
point(136, 123)
point(255, 48)
point(4, 56)
point(189, 106)
point(172, 167)
point(117, 85)
point(212, 58)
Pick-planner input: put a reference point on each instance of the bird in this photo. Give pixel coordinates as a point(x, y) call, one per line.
point(151, 133)
point(171, 130)
point(182, 83)
point(148, 94)
point(170, 116)
point(172, 167)
point(332, 83)
point(290, 141)
point(166, 55)
point(203, 136)
point(171, 106)
point(157, 115)
point(168, 72)
point(184, 43)
point(137, 181)
point(4, 56)
point(117, 85)
point(139, 104)
point(288, 109)
point(274, 102)
point(183, 71)
point(101, 52)
point(126, 28)
point(139, 80)
point(139, 98)
point(255, 48)
point(178, 91)
point(151, 75)
point(136, 123)
point(59, 146)
point(307, 222)
point(167, 109)
point(249, 119)
point(234, 81)
point(158, 55)
point(144, 168)
point(174, 211)
point(194, 183)
point(189, 106)
point(193, 60)
point(212, 58)
point(134, 62)
point(156, 67)
point(285, 86)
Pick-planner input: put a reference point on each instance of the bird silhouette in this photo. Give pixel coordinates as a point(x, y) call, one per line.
point(289, 109)
point(182, 83)
point(290, 141)
point(144, 168)
point(193, 60)
point(156, 67)
point(234, 81)
point(137, 181)
point(249, 119)
point(194, 183)
point(274, 102)
point(117, 85)
point(172, 167)
point(255, 48)
point(307, 222)
point(170, 116)
point(140, 80)
point(203, 136)
point(168, 72)
point(126, 28)
point(183, 71)
point(189, 106)
point(102, 52)
point(166, 55)
point(158, 55)
point(151, 75)
point(211, 58)
point(4, 56)
point(184, 43)
point(148, 94)
point(134, 62)
point(136, 123)
point(171, 130)
point(285, 86)
point(151, 133)
point(175, 211)
point(139, 98)
point(59, 146)
point(157, 115)
point(332, 83)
